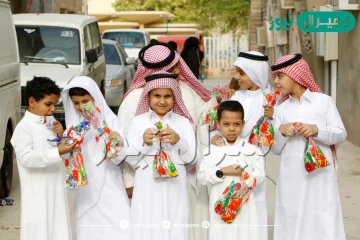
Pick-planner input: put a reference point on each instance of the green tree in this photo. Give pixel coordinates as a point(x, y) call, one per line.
point(226, 15)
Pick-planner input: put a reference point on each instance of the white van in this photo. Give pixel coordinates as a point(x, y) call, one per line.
point(61, 47)
point(132, 40)
point(10, 95)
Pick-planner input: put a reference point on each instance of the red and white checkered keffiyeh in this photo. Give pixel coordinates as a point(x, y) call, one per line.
point(299, 72)
point(179, 106)
point(158, 53)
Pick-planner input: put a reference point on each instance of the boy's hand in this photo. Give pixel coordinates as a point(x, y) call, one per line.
point(168, 135)
point(58, 128)
point(285, 129)
point(129, 192)
point(232, 170)
point(149, 135)
point(217, 140)
point(117, 136)
point(268, 111)
point(64, 149)
point(308, 130)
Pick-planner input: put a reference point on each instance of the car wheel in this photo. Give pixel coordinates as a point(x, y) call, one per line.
point(6, 171)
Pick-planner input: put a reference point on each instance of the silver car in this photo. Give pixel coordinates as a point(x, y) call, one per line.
point(120, 71)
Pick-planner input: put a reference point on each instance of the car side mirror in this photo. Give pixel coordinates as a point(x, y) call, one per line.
point(91, 56)
point(130, 60)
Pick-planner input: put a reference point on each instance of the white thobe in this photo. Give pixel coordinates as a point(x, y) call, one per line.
point(154, 201)
point(253, 102)
point(245, 225)
point(197, 107)
point(308, 204)
point(44, 207)
point(102, 205)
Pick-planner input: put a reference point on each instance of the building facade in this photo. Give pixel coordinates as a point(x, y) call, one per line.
point(47, 6)
point(342, 65)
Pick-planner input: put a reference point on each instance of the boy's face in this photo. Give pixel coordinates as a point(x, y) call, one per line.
point(79, 101)
point(175, 70)
point(244, 81)
point(230, 125)
point(43, 107)
point(284, 83)
point(161, 101)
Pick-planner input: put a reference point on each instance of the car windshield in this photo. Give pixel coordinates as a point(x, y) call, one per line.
point(127, 39)
point(111, 55)
point(42, 44)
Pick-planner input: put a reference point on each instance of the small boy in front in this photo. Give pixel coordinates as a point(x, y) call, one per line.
point(237, 160)
point(44, 209)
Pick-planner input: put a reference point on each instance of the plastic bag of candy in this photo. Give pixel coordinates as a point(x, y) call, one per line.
point(221, 92)
point(163, 167)
point(231, 200)
point(314, 158)
point(75, 173)
point(211, 117)
point(110, 147)
point(262, 133)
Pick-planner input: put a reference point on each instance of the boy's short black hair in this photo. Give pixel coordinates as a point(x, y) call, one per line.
point(39, 88)
point(232, 106)
point(78, 91)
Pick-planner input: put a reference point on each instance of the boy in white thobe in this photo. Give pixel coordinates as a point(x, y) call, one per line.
point(307, 204)
point(252, 72)
point(102, 207)
point(224, 165)
point(197, 100)
point(44, 208)
point(159, 207)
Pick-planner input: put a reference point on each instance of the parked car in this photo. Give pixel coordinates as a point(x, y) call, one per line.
point(132, 40)
point(120, 72)
point(10, 95)
point(61, 47)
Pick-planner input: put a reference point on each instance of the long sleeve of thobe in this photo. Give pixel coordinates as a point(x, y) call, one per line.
point(257, 175)
point(334, 131)
point(23, 146)
point(187, 145)
point(279, 139)
point(137, 148)
point(207, 172)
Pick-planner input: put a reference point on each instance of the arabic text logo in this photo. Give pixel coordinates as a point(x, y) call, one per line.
point(339, 21)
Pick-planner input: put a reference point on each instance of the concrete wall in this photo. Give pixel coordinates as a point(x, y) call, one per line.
point(348, 87)
point(255, 21)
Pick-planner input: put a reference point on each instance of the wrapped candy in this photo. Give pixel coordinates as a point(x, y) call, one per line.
point(262, 133)
point(110, 147)
point(231, 200)
point(75, 173)
point(314, 158)
point(293, 129)
point(211, 117)
point(222, 91)
point(163, 167)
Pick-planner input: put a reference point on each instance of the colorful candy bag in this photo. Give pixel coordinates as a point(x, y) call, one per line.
point(314, 158)
point(75, 173)
point(222, 91)
point(110, 147)
point(163, 167)
point(262, 133)
point(234, 196)
point(231, 200)
point(211, 117)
